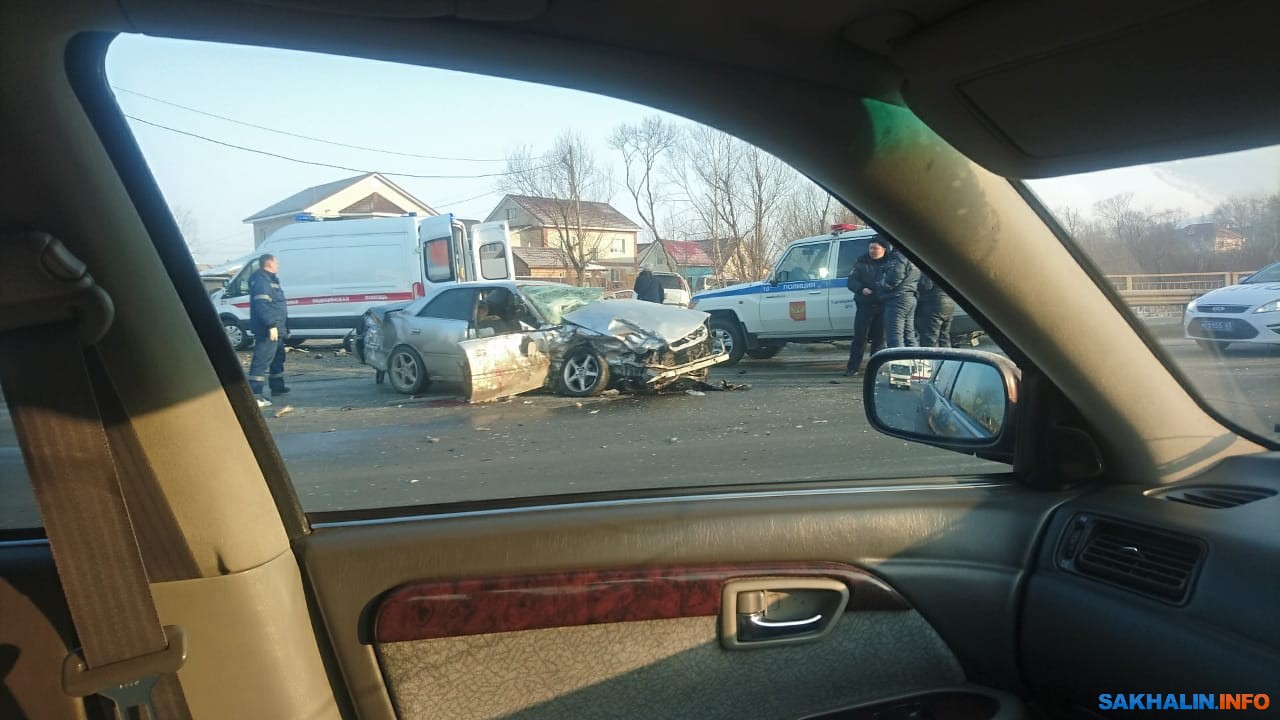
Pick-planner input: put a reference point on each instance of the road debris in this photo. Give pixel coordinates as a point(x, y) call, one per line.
point(433, 440)
point(284, 411)
point(673, 440)
point(593, 412)
point(695, 393)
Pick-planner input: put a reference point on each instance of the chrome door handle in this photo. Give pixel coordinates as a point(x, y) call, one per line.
point(766, 611)
point(815, 292)
point(758, 620)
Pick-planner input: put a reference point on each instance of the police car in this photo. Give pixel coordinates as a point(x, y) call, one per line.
point(805, 299)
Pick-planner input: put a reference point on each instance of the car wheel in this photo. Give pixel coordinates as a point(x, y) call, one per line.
point(583, 373)
point(407, 372)
point(349, 342)
point(236, 334)
point(728, 334)
point(764, 352)
point(1212, 346)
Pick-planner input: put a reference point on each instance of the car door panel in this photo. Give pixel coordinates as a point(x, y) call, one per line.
point(603, 602)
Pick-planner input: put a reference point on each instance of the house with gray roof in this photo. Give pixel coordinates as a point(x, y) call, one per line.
point(363, 196)
point(535, 223)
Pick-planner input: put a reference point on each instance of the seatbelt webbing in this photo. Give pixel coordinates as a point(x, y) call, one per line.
point(69, 461)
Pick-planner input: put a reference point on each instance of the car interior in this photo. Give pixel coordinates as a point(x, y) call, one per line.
point(1128, 548)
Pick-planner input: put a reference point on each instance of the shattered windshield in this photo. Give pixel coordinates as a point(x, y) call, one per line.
point(553, 302)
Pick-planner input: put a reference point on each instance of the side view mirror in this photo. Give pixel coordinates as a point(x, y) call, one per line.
point(961, 400)
point(780, 277)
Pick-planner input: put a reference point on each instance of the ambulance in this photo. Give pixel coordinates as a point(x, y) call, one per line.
point(332, 271)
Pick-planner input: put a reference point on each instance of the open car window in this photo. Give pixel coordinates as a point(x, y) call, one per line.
point(1192, 248)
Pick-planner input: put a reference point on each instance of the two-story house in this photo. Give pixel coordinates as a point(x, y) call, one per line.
point(608, 238)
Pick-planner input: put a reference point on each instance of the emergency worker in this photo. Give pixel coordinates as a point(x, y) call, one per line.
point(268, 319)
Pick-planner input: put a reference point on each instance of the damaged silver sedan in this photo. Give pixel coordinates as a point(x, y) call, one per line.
point(505, 338)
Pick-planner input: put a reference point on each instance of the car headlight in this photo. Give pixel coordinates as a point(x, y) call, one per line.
point(1272, 306)
point(1191, 306)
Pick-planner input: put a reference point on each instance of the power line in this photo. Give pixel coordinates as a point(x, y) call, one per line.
point(298, 135)
point(316, 163)
point(459, 202)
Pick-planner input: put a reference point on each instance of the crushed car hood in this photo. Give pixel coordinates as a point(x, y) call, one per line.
point(623, 317)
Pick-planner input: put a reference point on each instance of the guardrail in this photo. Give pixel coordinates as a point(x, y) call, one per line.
point(1172, 291)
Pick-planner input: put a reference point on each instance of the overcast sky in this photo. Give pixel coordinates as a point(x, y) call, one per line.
point(475, 119)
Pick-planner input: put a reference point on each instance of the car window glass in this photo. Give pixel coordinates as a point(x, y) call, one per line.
point(945, 375)
point(452, 305)
point(850, 251)
point(352, 443)
point(976, 388)
point(493, 261)
point(239, 285)
point(436, 258)
point(18, 509)
point(1191, 250)
point(804, 262)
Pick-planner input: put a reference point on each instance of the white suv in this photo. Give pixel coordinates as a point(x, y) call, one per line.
point(675, 289)
point(805, 299)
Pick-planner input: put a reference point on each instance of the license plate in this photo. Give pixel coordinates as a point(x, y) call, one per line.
point(1216, 324)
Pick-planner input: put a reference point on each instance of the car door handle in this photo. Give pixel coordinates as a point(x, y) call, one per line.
point(804, 625)
point(758, 612)
point(815, 292)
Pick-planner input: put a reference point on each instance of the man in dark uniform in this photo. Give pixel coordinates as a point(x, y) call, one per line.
point(648, 288)
point(897, 290)
point(933, 315)
point(868, 322)
point(268, 318)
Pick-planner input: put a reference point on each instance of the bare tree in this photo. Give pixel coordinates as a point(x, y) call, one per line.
point(704, 163)
point(190, 229)
point(766, 181)
point(567, 179)
point(642, 147)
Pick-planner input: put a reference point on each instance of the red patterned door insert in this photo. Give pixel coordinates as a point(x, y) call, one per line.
point(452, 608)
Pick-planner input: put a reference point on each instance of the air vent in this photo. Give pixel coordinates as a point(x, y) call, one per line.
point(1152, 562)
point(1214, 496)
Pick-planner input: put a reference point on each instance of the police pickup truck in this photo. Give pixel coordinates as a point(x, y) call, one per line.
point(805, 299)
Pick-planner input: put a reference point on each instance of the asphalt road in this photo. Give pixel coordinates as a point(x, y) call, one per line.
point(349, 443)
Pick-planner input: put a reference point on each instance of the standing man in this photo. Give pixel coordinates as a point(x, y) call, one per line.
point(898, 285)
point(268, 317)
point(868, 323)
point(648, 288)
point(933, 316)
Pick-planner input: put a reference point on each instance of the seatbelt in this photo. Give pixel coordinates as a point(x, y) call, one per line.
point(50, 310)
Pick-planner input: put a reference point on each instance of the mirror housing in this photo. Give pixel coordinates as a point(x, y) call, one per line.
point(779, 277)
point(984, 440)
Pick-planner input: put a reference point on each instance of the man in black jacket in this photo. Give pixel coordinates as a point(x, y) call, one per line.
point(868, 323)
point(648, 288)
point(268, 318)
point(897, 290)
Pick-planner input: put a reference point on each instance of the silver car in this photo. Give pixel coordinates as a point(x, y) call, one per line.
point(504, 338)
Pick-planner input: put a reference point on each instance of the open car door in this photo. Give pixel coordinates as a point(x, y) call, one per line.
point(504, 365)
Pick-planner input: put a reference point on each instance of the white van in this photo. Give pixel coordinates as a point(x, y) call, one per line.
point(333, 271)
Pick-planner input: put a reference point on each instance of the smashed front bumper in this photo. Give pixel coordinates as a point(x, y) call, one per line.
point(657, 376)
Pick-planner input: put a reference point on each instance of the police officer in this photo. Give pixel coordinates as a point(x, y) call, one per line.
point(868, 323)
point(933, 315)
point(897, 290)
point(268, 318)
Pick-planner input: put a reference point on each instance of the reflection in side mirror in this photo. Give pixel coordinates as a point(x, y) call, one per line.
point(958, 399)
